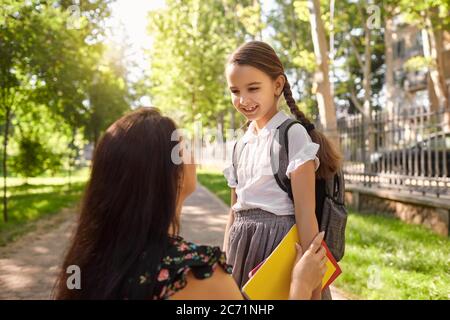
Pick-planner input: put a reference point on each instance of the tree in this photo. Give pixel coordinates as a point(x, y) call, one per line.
point(44, 60)
point(108, 97)
point(293, 44)
point(33, 158)
point(327, 109)
point(432, 17)
point(361, 45)
point(192, 40)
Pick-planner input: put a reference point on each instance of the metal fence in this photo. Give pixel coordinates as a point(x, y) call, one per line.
point(407, 151)
point(404, 151)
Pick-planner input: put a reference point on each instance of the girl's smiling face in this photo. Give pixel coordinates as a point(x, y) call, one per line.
point(253, 92)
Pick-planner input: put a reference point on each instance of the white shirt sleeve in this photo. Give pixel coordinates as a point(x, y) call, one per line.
point(230, 176)
point(301, 149)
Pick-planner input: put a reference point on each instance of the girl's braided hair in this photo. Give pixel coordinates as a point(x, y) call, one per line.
point(262, 56)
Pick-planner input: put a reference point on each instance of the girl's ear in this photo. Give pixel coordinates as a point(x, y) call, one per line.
point(279, 85)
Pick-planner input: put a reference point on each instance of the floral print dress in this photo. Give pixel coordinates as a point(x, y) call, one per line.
point(180, 258)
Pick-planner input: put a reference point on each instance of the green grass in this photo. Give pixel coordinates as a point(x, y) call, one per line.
point(385, 258)
point(388, 259)
point(40, 198)
point(215, 182)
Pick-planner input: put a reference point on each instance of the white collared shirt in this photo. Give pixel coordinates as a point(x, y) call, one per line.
point(256, 186)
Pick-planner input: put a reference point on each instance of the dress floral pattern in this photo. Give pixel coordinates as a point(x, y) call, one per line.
point(180, 258)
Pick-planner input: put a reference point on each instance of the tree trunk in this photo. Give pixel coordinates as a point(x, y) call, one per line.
point(434, 102)
point(389, 75)
point(5, 167)
point(367, 77)
point(327, 109)
point(433, 48)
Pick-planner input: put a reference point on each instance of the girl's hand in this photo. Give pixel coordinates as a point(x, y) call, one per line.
point(309, 269)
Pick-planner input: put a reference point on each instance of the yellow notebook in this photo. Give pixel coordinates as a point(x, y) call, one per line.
point(272, 279)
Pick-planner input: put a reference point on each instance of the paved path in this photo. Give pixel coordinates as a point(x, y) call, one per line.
point(29, 266)
point(204, 218)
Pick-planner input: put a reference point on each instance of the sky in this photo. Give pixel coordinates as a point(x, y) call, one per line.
point(128, 23)
point(132, 15)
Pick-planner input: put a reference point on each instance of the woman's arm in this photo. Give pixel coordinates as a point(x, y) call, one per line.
point(230, 220)
point(303, 182)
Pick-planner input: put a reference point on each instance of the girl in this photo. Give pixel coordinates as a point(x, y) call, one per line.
point(262, 213)
point(126, 244)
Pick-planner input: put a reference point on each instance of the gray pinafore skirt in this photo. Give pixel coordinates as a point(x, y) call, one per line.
point(254, 234)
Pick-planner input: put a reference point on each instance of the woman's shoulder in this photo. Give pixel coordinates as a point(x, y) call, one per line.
point(183, 257)
point(220, 286)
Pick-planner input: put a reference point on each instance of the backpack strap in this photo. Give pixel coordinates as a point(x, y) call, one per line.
point(331, 188)
point(237, 152)
point(334, 188)
point(340, 185)
point(279, 156)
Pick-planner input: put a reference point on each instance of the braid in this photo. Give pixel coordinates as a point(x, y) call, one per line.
point(261, 56)
point(300, 116)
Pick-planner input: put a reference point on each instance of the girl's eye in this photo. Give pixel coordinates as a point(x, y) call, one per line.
point(253, 89)
point(234, 91)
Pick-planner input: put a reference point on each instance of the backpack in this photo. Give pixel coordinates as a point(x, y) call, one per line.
point(331, 212)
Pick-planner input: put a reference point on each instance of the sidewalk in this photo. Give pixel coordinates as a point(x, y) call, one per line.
point(204, 218)
point(29, 266)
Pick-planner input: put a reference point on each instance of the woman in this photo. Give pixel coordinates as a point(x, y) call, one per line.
point(126, 243)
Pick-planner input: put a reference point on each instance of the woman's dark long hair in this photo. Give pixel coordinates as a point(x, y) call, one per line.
point(262, 56)
point(128, 207)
